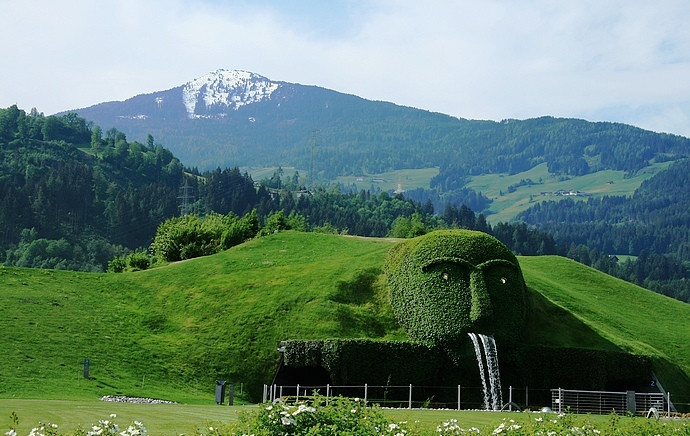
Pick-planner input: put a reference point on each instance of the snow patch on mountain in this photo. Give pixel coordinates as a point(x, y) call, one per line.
point(226, 89)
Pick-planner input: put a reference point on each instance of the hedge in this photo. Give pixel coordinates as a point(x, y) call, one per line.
point(354, 362)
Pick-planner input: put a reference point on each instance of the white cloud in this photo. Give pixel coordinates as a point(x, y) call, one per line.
point(492, 59)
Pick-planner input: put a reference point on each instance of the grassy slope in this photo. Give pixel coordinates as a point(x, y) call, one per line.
point(633, 318)
point(505, 207)
point(176, 329)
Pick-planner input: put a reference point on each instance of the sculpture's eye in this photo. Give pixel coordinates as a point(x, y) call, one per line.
point(448, 274)
point(504, 280)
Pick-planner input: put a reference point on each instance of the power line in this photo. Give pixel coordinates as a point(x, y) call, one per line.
point(187, 199)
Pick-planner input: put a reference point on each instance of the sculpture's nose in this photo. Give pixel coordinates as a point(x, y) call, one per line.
point(481, 300)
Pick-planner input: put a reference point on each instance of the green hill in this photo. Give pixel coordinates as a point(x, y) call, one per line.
point(171, 332)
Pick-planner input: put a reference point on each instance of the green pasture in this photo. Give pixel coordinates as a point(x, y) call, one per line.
point(506, 205)
point(407, 179)
point(634, 319)
point(170, 332)
point(260, 173)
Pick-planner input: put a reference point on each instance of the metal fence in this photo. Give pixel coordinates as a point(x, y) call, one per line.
point(407, 396)
point(470, 397)
point(605, 402)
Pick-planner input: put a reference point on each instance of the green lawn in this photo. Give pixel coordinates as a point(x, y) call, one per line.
point(178, 419)
point(159, 419)
point(172, 331)
point(633, 318)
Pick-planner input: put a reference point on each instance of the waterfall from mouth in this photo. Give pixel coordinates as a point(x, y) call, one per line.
point(486, 352)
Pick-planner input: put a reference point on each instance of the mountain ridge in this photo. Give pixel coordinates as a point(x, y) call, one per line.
point(234, 117)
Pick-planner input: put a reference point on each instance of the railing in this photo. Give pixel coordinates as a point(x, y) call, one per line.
point(471, 398)
point(407, 396)
point(605, 402)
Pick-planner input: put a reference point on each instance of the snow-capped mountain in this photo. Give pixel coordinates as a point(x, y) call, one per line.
point(215, 95)
point(220, 91)
point(226, 117)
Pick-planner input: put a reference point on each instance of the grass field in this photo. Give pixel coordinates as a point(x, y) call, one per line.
point(172, 331)
point(506, 206)
point(408, 178)
point(175, 329)
point(392, 180)
point(159, 419)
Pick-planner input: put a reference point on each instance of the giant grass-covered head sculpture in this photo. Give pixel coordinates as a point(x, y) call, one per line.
point(451, 282)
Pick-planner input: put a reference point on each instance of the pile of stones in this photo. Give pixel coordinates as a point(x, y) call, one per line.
point(137, 400)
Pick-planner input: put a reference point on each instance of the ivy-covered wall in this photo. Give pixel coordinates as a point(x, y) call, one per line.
point(354, 362)
point(451, 282)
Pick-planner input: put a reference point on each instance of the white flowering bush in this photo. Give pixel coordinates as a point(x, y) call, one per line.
point(452, 428)
point(104, 427)
point(569, 425)
point(316, 416)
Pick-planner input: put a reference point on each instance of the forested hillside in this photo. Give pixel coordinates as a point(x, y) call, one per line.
point(61, 207)
point(330, 133)
point(653, 224)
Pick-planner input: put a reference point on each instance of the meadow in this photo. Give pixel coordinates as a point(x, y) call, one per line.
point(506, 205)
point(507, 202)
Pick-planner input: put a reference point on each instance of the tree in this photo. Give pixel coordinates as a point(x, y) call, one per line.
point(97, 139)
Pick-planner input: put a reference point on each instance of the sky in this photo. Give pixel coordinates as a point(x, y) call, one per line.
point(601, 60)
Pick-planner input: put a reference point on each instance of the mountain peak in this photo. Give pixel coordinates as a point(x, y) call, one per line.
point(217, 92)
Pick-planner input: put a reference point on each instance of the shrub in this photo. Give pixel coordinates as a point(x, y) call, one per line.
point(138, 261)
point(326, 228)
point(335, 417)
point(117, 265)
point(191, 236)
